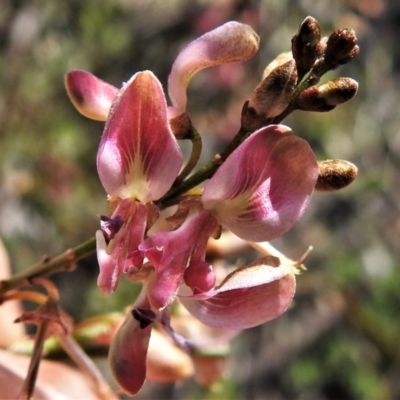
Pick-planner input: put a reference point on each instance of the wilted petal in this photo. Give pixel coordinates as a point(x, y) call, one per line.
point(249, 296)
point(91, 96)
point(171, 252)
point(264, 186)
point(114, 256)
point(230, 42)
point(127, 355)
point(138, 155)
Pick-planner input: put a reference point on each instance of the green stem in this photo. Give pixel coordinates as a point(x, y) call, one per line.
point(55, 264)
point(207, 171)
point(197, 146)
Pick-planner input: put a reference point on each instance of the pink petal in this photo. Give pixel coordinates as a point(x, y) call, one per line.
point(114, 255)
point(230, 42)
point(264, 186)
point(127, 355)
point(171, 252)
point(138, 155)
point(91, 96)
point(249, 296)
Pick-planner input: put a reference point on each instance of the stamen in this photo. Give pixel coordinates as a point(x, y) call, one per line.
point(110, 226)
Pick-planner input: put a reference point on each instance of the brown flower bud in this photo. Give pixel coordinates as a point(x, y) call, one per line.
point(277, 62)
point(327, 96)
point(305, 45)
point(335, 175)
point(339, 47)
point(270, 97)
point(353, 54)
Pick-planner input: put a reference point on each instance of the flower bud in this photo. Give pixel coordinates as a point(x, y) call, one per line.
point(340, 47)
point(271, 97)
point(305, 45)
point(335, 175)
point(277, 62)
point(327, 96)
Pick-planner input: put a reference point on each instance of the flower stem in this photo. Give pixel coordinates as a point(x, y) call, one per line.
point(197, 145)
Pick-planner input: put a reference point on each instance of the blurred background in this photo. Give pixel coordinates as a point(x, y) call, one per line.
point(339, 340)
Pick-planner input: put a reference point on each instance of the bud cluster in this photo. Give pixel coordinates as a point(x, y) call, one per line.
point(289, 82)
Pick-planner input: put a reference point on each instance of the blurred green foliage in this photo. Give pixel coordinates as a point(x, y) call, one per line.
point(326, 347)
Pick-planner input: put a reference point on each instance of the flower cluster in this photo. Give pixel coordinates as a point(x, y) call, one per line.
point(257, 191)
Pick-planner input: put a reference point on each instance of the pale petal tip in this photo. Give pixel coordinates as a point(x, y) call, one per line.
point(91, 96)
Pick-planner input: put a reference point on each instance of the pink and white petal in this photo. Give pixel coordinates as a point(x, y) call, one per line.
point(116, 256)
point(248, 297)
point(139, 156)
point(230, 42)
point(127, 355)
point(91, 96)
point(264, 186)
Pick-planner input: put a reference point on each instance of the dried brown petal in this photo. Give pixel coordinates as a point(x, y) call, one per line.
point(335, 175)
point(60, 322)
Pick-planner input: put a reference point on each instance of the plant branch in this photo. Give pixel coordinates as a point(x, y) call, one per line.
point(59, 263)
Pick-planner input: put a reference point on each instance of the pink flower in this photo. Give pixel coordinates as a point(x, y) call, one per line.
point(258, 193)
point(230, 42)
point(138, 160)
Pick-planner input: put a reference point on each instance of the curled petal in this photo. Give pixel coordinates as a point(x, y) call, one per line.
point(249, 296)
point(230, 42)
point(264, 186)
point(171, 252)
point(91, 96)
point(127, 356)
point(138, 155)
point(116, 255)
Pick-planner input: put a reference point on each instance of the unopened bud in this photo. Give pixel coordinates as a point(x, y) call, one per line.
point(353, 54)
point(340, 45)
point(277, 62)
point(327, 96)
point(271, 97)
point(305, 45)
point(335, 175)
